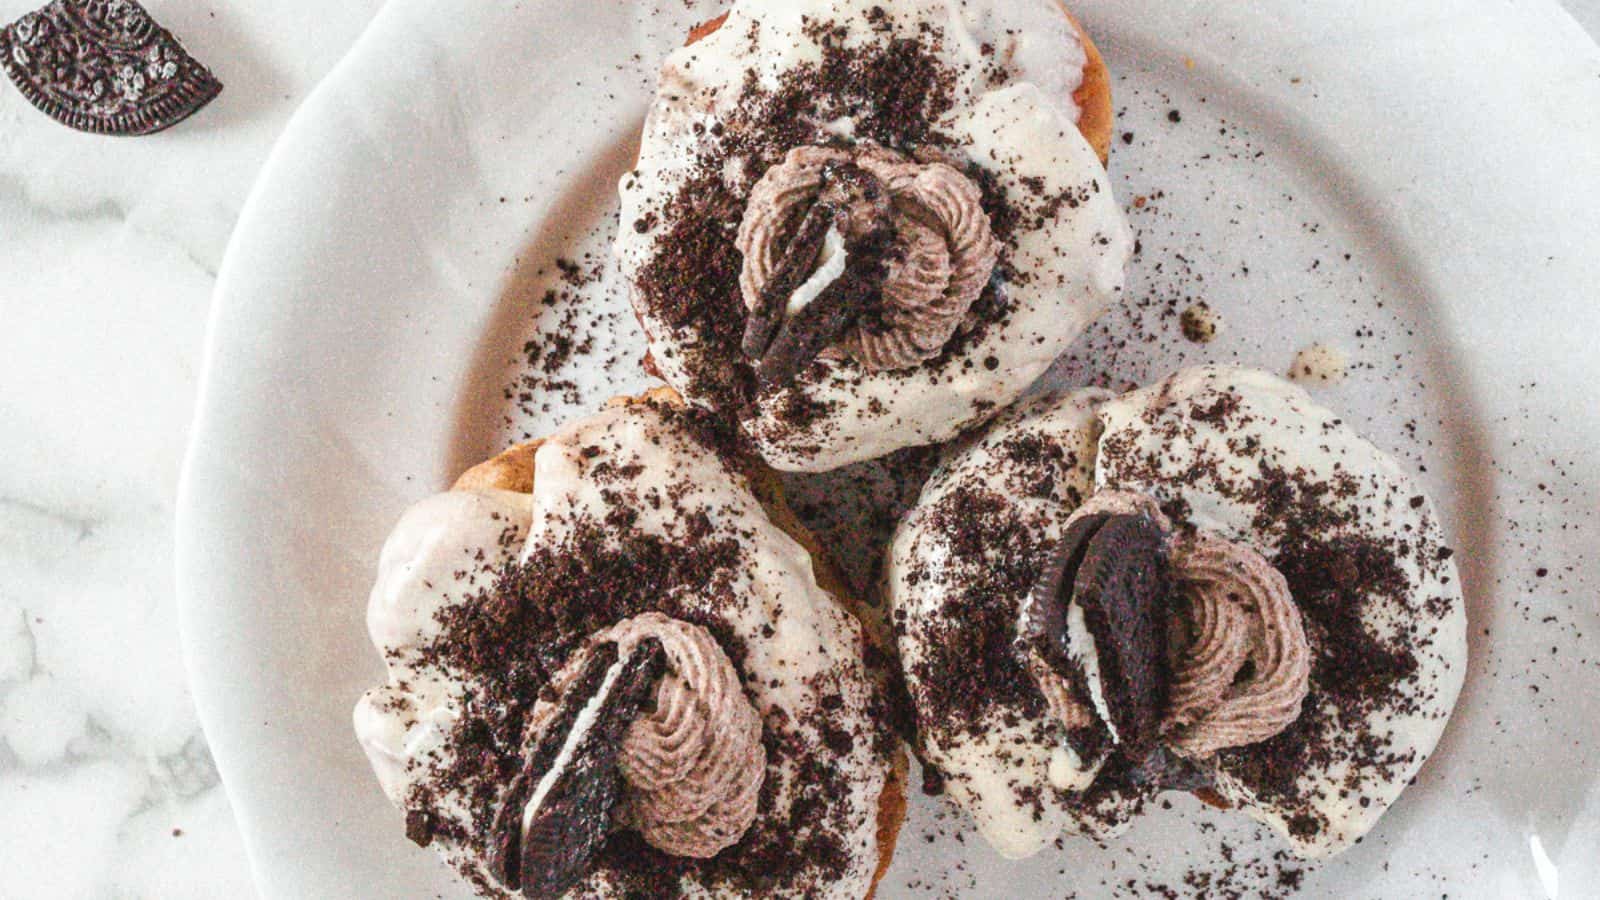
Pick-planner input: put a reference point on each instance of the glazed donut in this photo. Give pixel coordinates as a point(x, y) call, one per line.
point(613, 670)
point(855, 227)
point(1210, 584)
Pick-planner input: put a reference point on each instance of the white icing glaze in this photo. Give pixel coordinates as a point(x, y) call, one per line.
point(986, 769)
point(1295, 432)
point(1069, 772)
point(417, 577)
point(797, 639)
point(1024, 130)
point(985, 766)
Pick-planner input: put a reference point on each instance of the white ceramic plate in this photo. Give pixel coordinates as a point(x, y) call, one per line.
point(381, 279)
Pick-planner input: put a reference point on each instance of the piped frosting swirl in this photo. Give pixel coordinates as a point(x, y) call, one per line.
point(936, 266)
point(1240, 611)
point(694, 764)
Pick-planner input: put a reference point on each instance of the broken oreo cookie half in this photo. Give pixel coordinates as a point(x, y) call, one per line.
point(1110, 573)
point(1043, 628)
point(799, 260)
point(105, 67)
point(558, 810)
point(854, 203)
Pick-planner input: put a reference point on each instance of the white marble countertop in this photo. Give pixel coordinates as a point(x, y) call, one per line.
point(108, 253)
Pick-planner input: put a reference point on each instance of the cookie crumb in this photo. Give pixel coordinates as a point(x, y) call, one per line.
point(1200, 323)
point(1322, 363)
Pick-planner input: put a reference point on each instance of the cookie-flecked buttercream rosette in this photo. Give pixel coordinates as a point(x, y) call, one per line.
point(614, 670)
point(856, 227)
point(1211, 584)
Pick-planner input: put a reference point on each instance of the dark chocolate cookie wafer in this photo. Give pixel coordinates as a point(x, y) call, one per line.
point(799, 260)
point(804, 335)
point(1043, 628)
point(104, 66)
point(1114, 569)
point(856, 203)
point(1123, 589)
point(559, 809)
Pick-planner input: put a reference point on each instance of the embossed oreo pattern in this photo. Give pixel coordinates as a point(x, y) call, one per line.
point(105, 67)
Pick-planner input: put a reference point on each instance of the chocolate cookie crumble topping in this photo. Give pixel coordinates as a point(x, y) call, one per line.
point(893, 91)
point(552, 776)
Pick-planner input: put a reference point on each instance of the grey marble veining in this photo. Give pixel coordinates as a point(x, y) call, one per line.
point(108, 252)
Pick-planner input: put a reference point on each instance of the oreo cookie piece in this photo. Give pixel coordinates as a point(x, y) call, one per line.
point(819, 323)
point(1112, 571)
point(1043, 626)
point(558, 810)
point(855, 203)
point(1161, 768)
point(105, 67)
point(798, 262)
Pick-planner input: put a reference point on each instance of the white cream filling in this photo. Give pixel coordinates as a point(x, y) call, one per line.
point(831, 260)
point(1081, 648)
point(581, 726)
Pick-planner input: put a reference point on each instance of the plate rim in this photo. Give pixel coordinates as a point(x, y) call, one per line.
point(190, 521)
